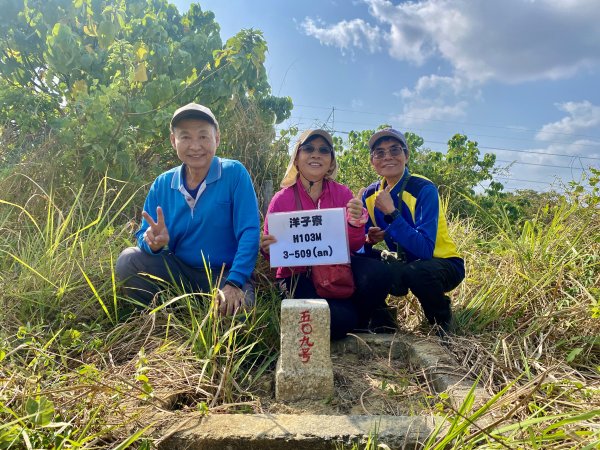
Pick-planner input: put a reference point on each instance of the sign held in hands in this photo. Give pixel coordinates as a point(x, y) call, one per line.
point(309, 238)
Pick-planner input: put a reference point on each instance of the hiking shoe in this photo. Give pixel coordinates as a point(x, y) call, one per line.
point(384, 320)
point(444, 321)
point(398, 290)
point(443, 329)
point(362, 326)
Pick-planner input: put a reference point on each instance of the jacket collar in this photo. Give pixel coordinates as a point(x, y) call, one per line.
point(214, 173)
point(382, 184)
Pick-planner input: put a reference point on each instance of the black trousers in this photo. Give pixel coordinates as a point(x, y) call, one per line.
point(134, 265)
point(373, 284)
point(428, 280)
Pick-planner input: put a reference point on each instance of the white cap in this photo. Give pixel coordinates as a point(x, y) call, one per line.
point(194, 110)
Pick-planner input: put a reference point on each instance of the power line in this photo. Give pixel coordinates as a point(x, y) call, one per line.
point(512, 189)
point(571, 167)
point(420, 129)
point(525, 163)
point(504, 149)
point(525, 181)
point(528, 151)
point(507, 149)
point(538, 164)
point(447, 121)
point(564, 155)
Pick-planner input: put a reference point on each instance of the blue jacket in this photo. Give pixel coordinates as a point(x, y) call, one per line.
point(221, 225)
point(421, 229)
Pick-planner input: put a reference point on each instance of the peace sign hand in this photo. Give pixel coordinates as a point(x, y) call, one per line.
point(156, 235)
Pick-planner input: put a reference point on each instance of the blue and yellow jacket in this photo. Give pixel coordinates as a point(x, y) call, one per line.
point(421, 229)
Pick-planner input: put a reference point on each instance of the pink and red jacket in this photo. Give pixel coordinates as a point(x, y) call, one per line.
point(334, 195)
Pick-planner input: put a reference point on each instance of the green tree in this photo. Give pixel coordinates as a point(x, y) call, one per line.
point(457, 172)
point(103, 77)
point(355, 169)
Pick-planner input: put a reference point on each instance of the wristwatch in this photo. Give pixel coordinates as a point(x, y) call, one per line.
point(389, 218)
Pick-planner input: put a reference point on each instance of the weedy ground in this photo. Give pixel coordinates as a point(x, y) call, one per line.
point(82, 367)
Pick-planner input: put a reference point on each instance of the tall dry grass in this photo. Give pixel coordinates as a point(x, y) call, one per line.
point(80, 367)
point(527, 326)
point(79, 364)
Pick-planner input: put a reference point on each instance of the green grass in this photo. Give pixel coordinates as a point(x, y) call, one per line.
point(65, 325)
point(80, 367)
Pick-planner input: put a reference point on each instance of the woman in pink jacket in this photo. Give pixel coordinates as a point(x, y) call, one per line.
point(310, 173)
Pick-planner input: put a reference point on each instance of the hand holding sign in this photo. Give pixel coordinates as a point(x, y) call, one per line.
point(265, 242)
point(384, 201)
point(157, 235)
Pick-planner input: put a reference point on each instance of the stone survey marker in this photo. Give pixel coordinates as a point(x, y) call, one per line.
point(304, 369)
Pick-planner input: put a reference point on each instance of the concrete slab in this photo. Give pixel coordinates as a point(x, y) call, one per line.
point(426, 353)
point(297, 432)
point(392, 346)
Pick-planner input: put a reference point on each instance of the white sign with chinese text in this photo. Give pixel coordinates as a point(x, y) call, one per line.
point(309, 238)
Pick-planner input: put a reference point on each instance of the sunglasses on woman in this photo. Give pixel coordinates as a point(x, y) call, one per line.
point(324, 150)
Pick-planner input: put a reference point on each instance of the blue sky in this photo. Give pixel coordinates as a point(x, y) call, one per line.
point(520, 77)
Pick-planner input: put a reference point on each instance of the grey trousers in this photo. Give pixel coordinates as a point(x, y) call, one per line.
point(134, 265)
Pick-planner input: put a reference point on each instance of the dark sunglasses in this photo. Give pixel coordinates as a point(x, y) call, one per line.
point(310, 149)
point(393, 151)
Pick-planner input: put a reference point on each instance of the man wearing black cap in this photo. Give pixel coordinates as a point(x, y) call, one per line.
point(200, 215)
point(405, 212)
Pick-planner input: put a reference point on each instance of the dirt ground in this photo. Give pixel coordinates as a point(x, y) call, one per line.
point(370, 386)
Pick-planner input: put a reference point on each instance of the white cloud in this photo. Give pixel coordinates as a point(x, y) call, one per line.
point(357, 103)
point(582, 116)
point(346, 35)
point(481, 41)
point(422, 112)
point(437, 84)
point(509, 40)
point(435, 97)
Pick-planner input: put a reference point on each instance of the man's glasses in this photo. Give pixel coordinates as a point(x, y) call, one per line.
point(310, 149)
point(393, 152)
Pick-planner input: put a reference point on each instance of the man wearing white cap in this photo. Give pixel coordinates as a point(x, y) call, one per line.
point(405, 212)
point(200, 215)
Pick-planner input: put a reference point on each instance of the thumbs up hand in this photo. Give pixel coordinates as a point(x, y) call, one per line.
point(384, 201)
point(356, 214)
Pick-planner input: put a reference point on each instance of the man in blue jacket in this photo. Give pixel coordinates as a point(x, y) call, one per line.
point(405, 211)
point(199, 217)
